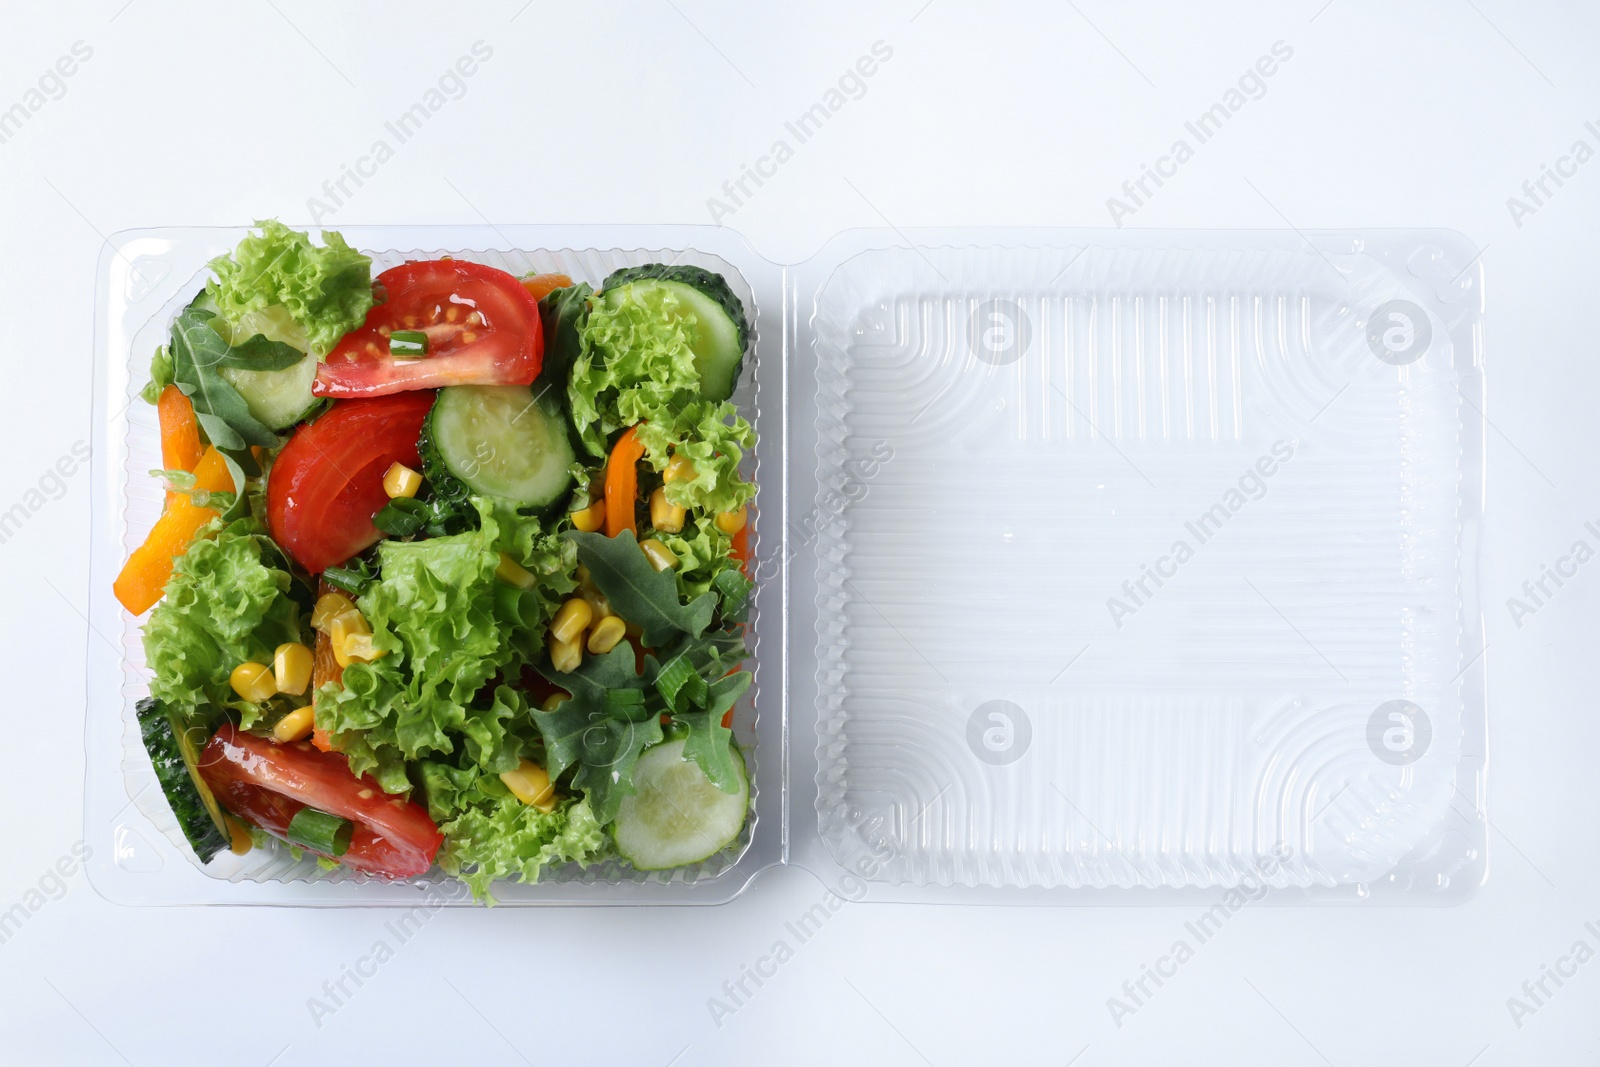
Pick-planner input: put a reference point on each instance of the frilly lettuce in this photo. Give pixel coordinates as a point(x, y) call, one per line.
point(326, 291)
point(449, 626)
point(703, 552)
point(715, 438)
point(634, 365)
point(228, 601)
point(502, 838)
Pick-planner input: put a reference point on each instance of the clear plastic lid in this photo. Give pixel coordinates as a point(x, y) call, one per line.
point(1096, 566)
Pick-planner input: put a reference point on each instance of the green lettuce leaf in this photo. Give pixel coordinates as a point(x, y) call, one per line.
point(160, 375)
point(505, 838)
point(704, 554)
point(712, 435)
point(449, 627)
point(635, 365)
point(228, 601)
point(327, 291)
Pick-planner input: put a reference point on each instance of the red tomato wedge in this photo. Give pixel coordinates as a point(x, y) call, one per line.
point(268, 783)
point(482, 327)
point(327, 483)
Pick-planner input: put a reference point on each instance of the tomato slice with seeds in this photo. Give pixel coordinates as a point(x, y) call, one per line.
point(327, 483)
point(482, 327)
point(267, 784)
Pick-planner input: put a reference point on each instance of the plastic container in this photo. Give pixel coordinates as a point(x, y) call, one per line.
point(1096, 567)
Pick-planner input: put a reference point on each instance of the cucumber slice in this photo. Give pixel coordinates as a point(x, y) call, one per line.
point(499, 440)
point(174, 749)
point(677, 817)
point(722, 331)
point(277, 398)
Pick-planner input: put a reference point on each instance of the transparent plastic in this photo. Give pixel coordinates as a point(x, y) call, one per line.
point(1096, 566)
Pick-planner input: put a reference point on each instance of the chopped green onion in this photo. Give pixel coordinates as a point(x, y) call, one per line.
point(672, 681)
point(402, 516)
point(347, 579)
point(320, 832)
point(735, 590)
point(408, 344)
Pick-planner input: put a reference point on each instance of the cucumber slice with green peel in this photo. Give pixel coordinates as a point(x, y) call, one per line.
point(174, 749)
point(498, 440)
point(676, 817)
point(721, 329)
point(277, 398)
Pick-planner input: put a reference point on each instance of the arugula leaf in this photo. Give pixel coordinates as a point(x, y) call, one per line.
point(258, 353)
point(707, 743)
point(197, 352)
point(638, 592)
point(602, 729)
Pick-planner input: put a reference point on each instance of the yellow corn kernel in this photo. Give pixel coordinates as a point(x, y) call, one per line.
point(605, 635)
point(731, 522)
point(680, 469)
point(341, 628)
point(583, 575)
point(659, 555)
point(565, 656)
point(358, 648)
point(591, 518)
point(239, 839)
point(253, 682)
point(513, 573)
point(329, 606)
point(401, 480)
point(295, 726)
point(530, 783)
point(291, 667)
point(664, 514)
point(554, 701)
point(570, 621)
point(597, 602)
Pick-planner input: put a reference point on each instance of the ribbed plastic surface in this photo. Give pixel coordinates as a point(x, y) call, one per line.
point(1120, 552)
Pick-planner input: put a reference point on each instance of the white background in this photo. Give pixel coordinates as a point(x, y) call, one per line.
point(1422, 114)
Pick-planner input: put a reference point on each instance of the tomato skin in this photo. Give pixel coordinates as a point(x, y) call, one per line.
point(327, 483)
point(483, 329)
point(268, 783)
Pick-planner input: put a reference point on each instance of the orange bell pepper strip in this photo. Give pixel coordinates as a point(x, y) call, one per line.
point(144, 577)
point(741, 547)
point(211, 473)
point(180, 434)
point(324, 669)
point(540, 286)
point(622, 483)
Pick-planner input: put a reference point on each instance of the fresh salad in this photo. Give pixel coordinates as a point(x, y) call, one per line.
point(453, 566)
